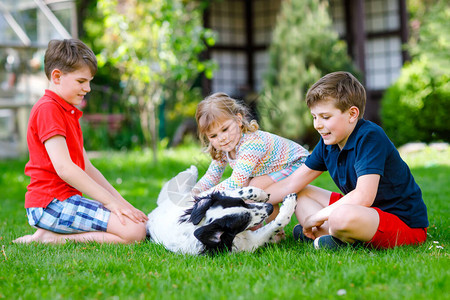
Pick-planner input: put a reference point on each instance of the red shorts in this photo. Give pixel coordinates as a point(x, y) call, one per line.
point(391, 231)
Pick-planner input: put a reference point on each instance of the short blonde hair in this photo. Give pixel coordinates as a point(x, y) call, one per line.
point(341, 87)
point(215, 108)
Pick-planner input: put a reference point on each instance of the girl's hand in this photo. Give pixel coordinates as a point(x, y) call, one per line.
point(195, 192)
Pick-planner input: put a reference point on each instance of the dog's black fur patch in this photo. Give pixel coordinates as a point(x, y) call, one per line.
point(217, 236)
point(197, 212)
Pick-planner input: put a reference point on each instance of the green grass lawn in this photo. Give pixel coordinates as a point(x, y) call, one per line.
point(288, 270)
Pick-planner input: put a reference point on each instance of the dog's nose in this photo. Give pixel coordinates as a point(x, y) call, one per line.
point(269, 208)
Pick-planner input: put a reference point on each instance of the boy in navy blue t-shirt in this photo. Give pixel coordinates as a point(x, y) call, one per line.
point(382, 205)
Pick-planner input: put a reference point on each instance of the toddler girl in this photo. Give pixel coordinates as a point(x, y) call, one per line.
point(258, 158)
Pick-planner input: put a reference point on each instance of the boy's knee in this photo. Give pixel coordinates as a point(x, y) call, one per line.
point(304, 193)
point(313, 193)
point(140, 232)
point(303, 198)
point(134, 232)
point(129, 232)
point(342, 219)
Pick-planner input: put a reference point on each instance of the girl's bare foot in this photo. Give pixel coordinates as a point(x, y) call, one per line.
point(280, 236)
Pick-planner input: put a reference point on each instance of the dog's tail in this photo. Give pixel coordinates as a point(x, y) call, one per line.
point(178, 189)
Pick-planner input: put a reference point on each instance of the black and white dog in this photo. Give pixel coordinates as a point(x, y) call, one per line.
point(214, 222)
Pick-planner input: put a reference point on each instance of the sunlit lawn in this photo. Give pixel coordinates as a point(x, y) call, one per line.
point(284, 271)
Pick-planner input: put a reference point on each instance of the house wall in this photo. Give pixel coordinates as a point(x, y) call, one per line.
point(373, 29)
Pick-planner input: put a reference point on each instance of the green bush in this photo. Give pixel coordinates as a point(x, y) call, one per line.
point(416, 107)
point(101, 137)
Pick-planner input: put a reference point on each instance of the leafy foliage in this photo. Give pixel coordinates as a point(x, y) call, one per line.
point(417, 105)
point(156, 46)
point(304, 48)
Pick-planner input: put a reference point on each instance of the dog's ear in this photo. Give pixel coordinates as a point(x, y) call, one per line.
point(215, 238)
point(209, 234)
point(199, 210)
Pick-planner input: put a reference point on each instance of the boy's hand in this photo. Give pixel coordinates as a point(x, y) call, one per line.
point(310, 223)
point(124, 209)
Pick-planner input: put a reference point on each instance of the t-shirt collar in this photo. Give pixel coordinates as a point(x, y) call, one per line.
point(64, 104)
point(351, 142)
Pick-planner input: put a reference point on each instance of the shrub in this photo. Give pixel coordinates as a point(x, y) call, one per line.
point(417, 105)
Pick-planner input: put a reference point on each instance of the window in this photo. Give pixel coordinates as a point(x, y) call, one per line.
point(383, 51)
point(264, 20)
point(237, 53)
point(231, 76)
point(383, 44)
point(26, 26)
point(227, 19)
point(337, 12)
point(383, 62)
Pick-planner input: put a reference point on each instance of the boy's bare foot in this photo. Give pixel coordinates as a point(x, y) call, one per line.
point(42, 236)
point(23, 239)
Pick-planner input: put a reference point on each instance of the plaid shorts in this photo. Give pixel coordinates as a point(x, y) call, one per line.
point(281, 174)
point(73, 215)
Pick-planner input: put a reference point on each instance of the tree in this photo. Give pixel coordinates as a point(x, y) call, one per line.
point(156, 45)
point(304, 48)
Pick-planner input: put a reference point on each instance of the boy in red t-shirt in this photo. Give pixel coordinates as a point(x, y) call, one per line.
point(59, 169)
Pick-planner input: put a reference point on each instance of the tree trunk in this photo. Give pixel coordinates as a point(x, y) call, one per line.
point(144, 120)
point(148, 126)
point(153, 131)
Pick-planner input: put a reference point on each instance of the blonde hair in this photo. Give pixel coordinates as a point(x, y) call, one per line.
point(216, 108)
point(341, 87)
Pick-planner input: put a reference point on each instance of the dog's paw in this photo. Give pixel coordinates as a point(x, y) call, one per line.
point(289, 203)
point(254, 194)
point(286, 210)
point(248, 193)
